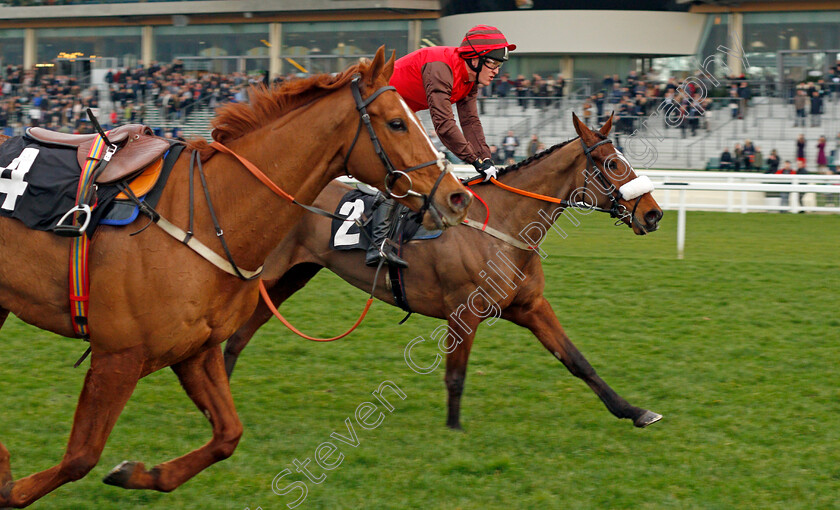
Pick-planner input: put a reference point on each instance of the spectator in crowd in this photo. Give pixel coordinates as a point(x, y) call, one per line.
point(726, 160)
point(816, 108)
point(758, 160)
point(749, 154)
point(800, 168)
point(772, 162)
point(800, 148)
point(739, 157)
point(745, 94)
point(822, 159)
point(533, 144)
point(522, 87)
point(502, 89)
point(786, 169)
point(599, 107)
point(496, 156)
point(800, 103)
point(509, 145)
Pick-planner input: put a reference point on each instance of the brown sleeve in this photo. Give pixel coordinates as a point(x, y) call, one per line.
point(437, 80)
point(470, 123)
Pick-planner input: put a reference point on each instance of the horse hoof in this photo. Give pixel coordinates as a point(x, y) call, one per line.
point(646, 419)
point(120, 475)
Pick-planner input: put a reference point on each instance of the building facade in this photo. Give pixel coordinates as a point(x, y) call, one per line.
point(783, 40)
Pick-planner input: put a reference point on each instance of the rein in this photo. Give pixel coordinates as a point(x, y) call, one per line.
point(270, 305)
point(615, 211)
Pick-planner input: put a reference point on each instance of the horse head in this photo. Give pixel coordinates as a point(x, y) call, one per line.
point(609, 181)
point(387, 147)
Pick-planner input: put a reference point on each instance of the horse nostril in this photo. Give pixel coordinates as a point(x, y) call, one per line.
point(459, 200)
point(653, 216)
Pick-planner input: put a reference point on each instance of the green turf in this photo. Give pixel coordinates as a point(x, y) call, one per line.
point(737, 346)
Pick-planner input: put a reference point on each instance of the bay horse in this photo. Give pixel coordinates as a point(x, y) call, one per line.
point(155, 303)
point(446, 273)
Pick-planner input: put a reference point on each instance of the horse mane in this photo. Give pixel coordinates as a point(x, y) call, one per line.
point(265, 104)
point(535, 157)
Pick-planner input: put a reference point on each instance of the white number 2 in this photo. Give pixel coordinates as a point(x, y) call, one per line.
point(354, 211)
point(11, 177)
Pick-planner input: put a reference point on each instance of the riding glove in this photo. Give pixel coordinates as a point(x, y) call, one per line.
point(486, 168)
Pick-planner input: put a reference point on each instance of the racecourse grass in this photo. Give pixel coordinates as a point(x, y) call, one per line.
point(737, 346)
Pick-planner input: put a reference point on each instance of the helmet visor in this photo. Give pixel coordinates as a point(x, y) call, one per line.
point(499, 54)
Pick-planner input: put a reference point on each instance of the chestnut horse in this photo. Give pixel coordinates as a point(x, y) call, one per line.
point(155, 303)
point(445, 274)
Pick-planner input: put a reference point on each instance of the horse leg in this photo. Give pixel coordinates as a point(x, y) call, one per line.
point(109, 383)
point(456, 368)
point(204, 379)
point(292, 281)
point(540, 319)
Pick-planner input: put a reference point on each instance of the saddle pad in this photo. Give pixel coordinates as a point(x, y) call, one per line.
point(143, 183)
point(38, 183)
point(123, 212)
point(345, 235)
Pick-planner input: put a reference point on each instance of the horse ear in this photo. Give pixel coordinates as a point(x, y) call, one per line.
point(607, 127)
point(375, 68)
point(388, 68)
point(579, 127)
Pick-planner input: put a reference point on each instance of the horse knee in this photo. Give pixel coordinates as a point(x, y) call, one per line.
point(77, 466)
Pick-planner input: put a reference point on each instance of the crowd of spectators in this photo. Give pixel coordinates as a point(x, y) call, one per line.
point(59, 102)
point(749, 158)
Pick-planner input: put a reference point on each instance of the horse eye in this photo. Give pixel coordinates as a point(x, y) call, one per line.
point(397, 125)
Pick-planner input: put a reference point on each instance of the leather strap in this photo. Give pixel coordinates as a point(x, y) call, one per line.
point(498, 235)
point(208, 254)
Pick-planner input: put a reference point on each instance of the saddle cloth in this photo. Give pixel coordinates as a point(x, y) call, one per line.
point(345, 235)
point(38, 183)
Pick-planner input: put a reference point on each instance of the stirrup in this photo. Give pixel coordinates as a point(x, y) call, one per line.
point(73, 230)
point(390, 256)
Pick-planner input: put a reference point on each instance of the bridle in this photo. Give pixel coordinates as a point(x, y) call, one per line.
point(393, 174)
point(616, 209)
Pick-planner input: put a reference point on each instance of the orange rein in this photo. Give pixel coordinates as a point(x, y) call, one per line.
point(276, 189)
point(286, 323)
point(254, 170)
point(521, 191)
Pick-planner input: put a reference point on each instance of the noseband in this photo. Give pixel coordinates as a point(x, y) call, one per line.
point(616, 210)
point(393, 174)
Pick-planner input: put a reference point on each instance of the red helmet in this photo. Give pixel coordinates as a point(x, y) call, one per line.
point(485, 41)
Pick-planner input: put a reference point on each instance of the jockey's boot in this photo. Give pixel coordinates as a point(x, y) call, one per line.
point(379, 246)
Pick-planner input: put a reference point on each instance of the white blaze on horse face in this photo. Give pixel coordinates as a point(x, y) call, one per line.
point(623, 168)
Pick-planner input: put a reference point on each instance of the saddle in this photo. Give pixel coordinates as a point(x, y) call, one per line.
point(139, 148)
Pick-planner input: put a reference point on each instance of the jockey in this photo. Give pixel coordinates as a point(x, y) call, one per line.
point(435, 78)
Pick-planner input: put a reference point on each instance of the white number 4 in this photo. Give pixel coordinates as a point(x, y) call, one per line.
point(11, 177)
point(353, 211)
